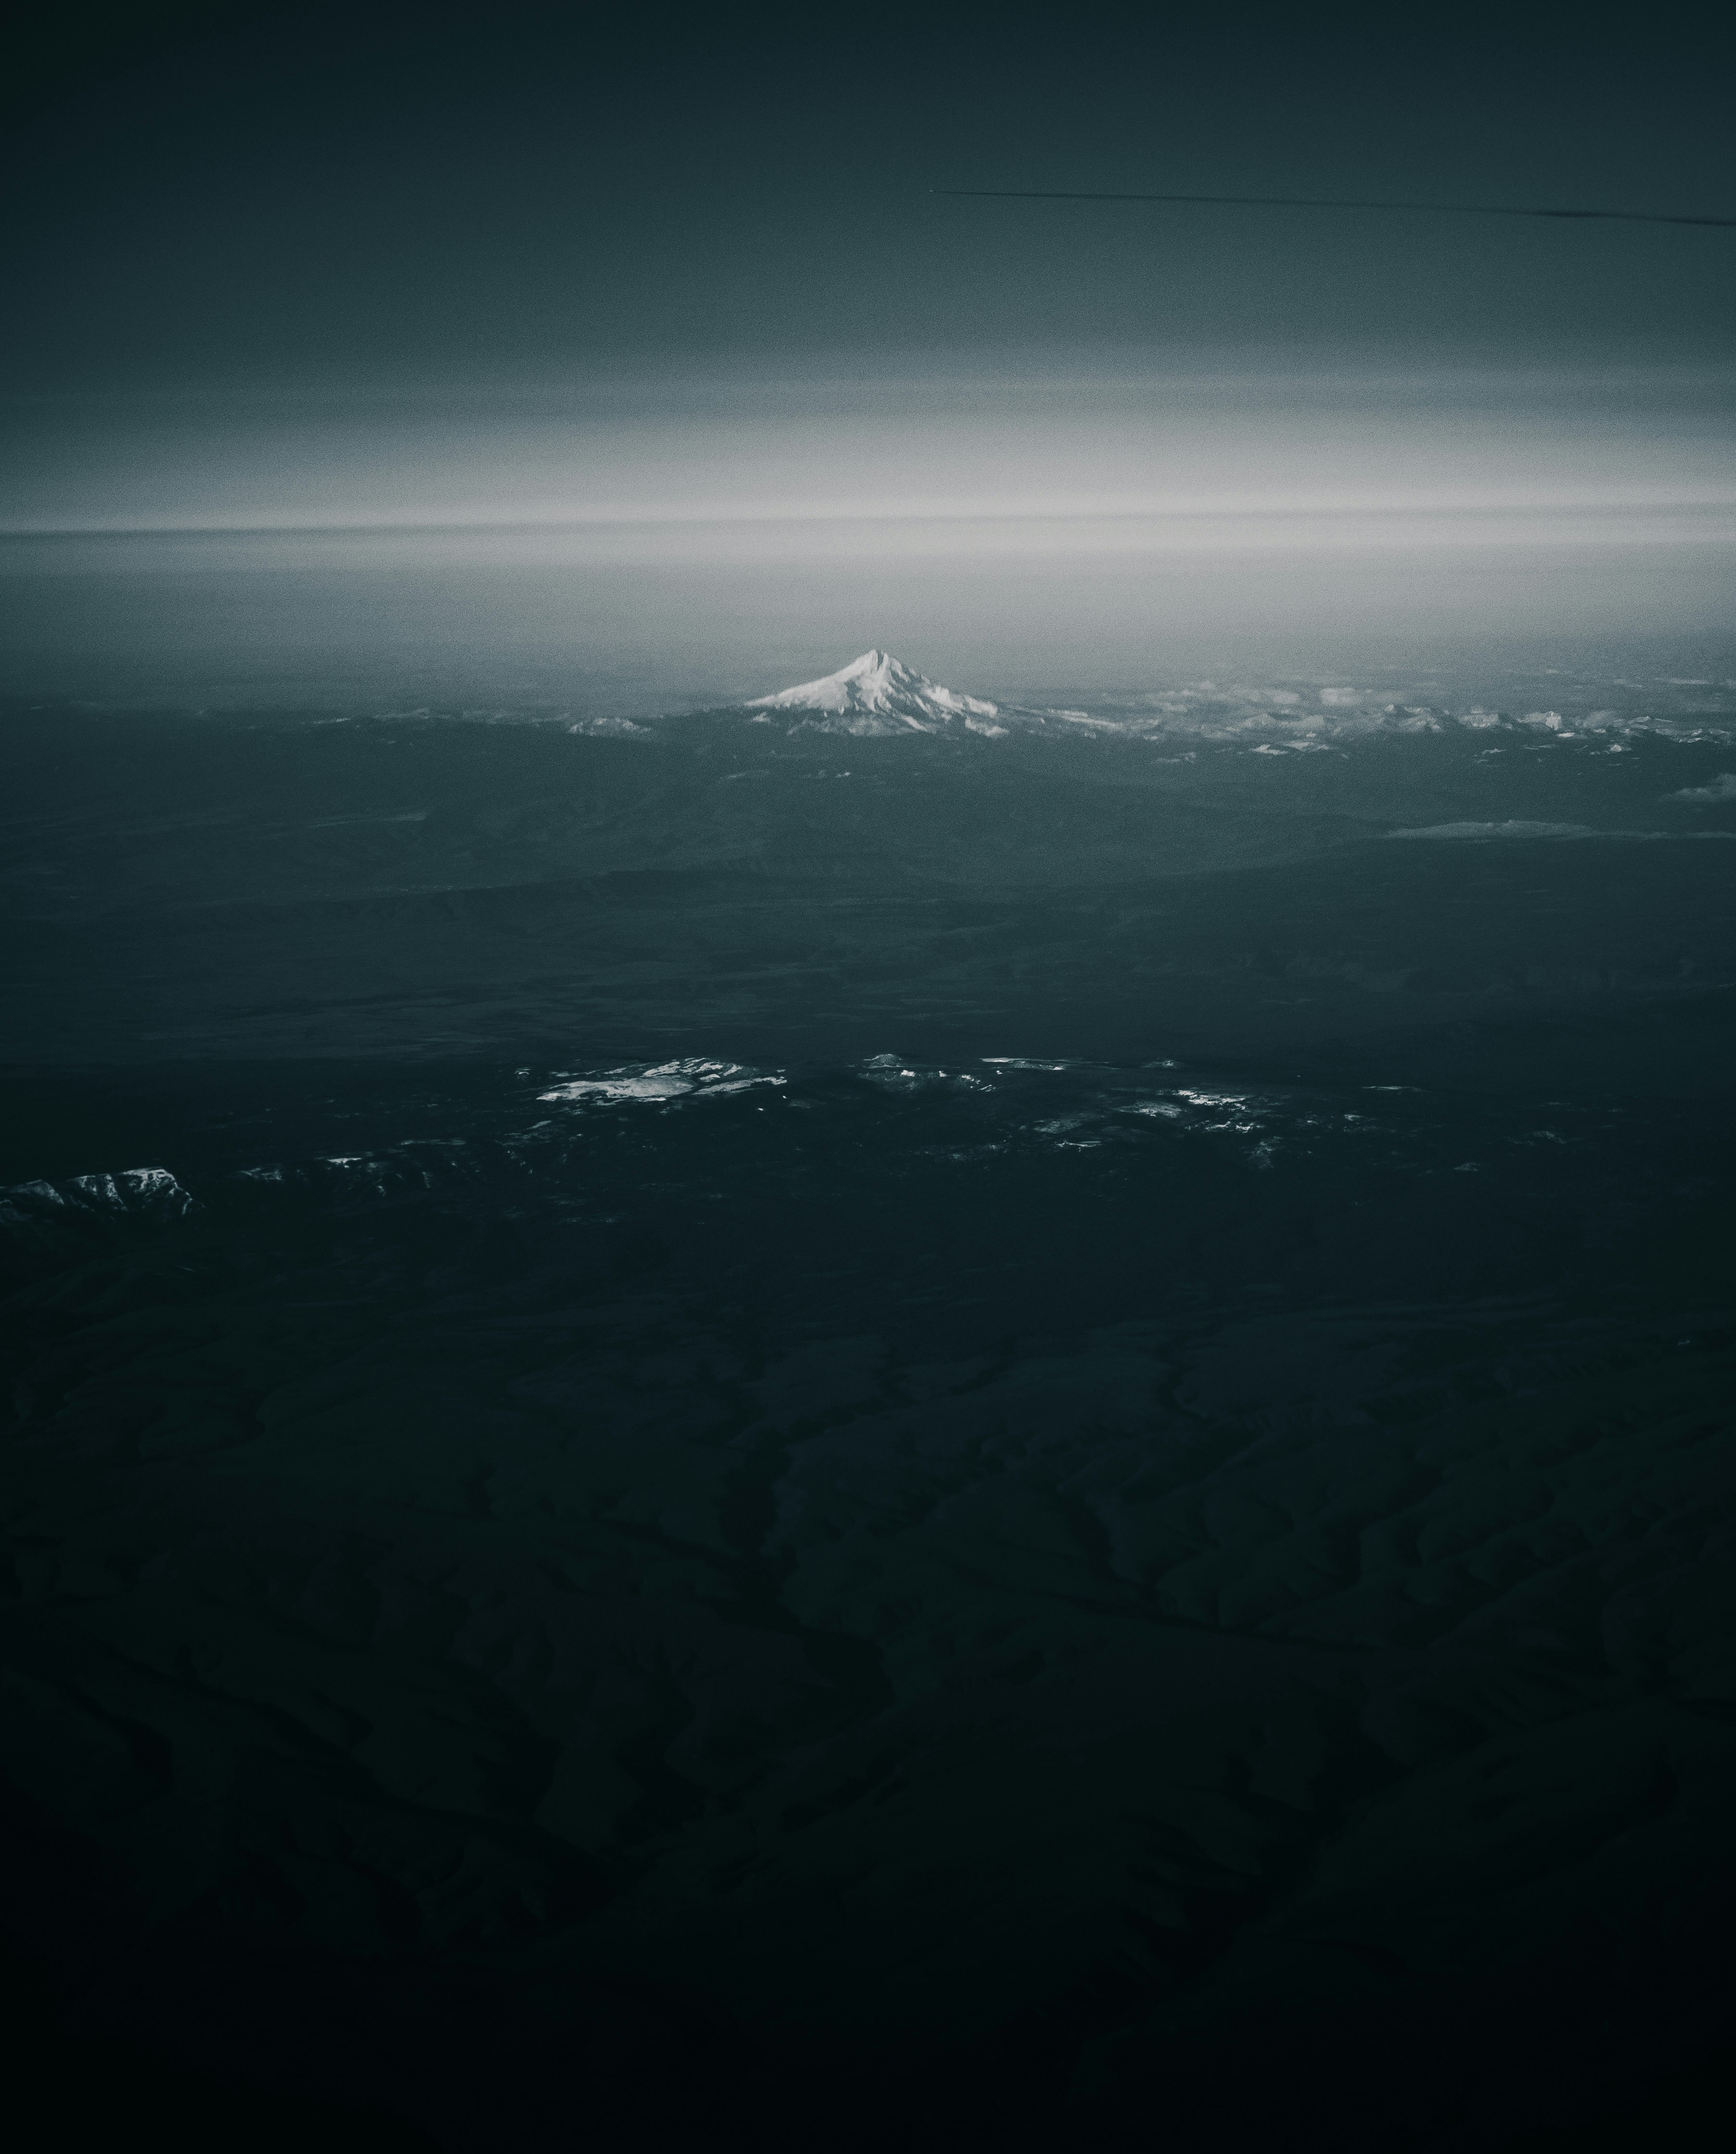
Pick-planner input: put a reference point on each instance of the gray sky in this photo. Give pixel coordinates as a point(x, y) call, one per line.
point(382, 267)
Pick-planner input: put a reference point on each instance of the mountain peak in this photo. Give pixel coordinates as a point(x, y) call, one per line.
point(877, 688)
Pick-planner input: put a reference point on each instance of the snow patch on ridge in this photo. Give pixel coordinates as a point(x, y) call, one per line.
point(1479, 832)
point(691, 1077)
point(137, 1193)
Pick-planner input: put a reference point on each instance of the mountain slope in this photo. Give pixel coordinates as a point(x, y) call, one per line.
point(875, 693)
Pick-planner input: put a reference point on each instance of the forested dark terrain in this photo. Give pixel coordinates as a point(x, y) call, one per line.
point(1005, 1441)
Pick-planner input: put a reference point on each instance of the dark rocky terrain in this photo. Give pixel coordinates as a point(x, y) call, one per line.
point(1006, 1443)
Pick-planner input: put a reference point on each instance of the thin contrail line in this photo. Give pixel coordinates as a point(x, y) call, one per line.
point(1309, 201)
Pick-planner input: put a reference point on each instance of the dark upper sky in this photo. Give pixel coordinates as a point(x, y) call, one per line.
point(290, 194)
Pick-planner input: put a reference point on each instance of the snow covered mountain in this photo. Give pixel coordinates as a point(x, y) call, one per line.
point(875, 694)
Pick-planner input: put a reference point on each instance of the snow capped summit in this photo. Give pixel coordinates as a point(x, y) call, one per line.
point(875, 694)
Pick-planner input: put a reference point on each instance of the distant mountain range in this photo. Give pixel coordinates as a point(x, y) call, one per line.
point(877, 694)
